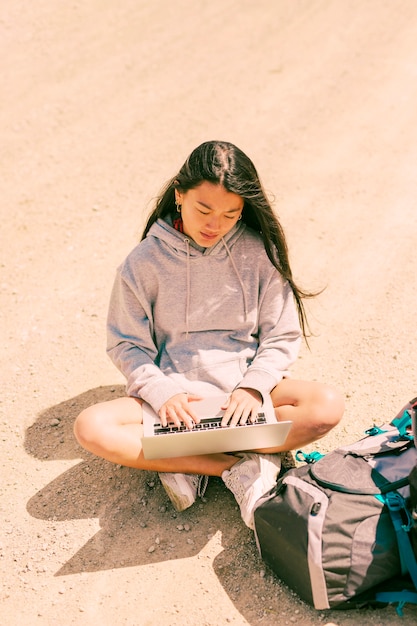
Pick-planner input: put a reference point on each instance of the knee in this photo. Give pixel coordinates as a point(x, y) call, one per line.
point(327, 408)
point(86, 427)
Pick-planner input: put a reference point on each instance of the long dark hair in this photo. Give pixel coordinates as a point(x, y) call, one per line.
point(222, 163)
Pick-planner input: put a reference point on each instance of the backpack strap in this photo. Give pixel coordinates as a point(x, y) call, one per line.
point(402, 521)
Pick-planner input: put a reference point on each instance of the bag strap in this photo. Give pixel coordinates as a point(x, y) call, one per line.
point(399, 597)
point(402, 521)
point(385, 486)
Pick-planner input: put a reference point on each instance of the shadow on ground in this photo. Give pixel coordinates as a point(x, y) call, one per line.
point(131, 506)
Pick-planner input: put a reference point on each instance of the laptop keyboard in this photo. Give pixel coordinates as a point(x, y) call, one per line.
point(209, 423)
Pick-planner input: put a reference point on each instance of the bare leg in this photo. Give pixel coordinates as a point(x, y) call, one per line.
point(113, 431)
point(314, 409)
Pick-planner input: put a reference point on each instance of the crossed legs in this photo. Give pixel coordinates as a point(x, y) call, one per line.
point(113, 430)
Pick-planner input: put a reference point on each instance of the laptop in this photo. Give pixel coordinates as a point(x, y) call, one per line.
point(209, 437)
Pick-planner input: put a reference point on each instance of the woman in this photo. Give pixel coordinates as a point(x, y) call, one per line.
point(206, 302)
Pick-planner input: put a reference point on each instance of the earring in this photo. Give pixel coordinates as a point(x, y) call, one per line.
point(240, 217)
point(177, 204)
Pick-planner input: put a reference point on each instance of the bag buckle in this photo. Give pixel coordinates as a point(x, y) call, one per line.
point(403, 424)
point(311, 457)
point(395, 502)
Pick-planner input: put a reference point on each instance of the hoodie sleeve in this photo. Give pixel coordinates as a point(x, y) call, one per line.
point(279, 337)
point(131, 347)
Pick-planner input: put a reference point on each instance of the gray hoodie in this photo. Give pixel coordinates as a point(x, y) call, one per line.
point(188, 319)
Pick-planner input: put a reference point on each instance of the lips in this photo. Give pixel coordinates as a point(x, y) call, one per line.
point(207, 236)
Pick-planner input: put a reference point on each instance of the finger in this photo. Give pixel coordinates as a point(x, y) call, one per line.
point(172, 416)
point(236, 417)
point(229, 413)
point(192, 416)
point(249, 414)
point(226, 404)
point(163, 416)
point(245, 415)
point(188, 410)
point(188, 419)
point(182, 414)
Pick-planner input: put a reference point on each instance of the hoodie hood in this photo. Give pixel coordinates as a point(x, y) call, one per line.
point(181, 244)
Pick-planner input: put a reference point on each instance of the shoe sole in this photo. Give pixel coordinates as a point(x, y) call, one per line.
point(180, 502)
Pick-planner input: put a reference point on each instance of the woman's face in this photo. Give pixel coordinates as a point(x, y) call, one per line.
point(208, 212)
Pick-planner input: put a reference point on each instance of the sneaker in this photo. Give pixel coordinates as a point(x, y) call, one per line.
point(183, 489)
point(250, 478)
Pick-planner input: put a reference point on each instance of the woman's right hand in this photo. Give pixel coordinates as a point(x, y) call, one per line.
point(178, 410)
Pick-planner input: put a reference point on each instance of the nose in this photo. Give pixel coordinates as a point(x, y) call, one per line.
point(213, 222)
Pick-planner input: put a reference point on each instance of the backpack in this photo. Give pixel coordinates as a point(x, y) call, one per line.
point(413, 506)
point(337, 529)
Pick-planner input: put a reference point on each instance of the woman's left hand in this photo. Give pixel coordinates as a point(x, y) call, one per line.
point(243, 404)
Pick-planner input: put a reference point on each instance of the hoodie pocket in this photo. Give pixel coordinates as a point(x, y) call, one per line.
point(224, 375)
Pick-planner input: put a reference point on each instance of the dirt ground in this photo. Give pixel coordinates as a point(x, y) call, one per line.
point(101, 103)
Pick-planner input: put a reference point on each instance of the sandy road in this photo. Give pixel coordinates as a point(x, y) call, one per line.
point(100, 105)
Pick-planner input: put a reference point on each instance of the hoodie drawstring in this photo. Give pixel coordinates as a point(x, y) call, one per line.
point(188, 296)
point(245, 305)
